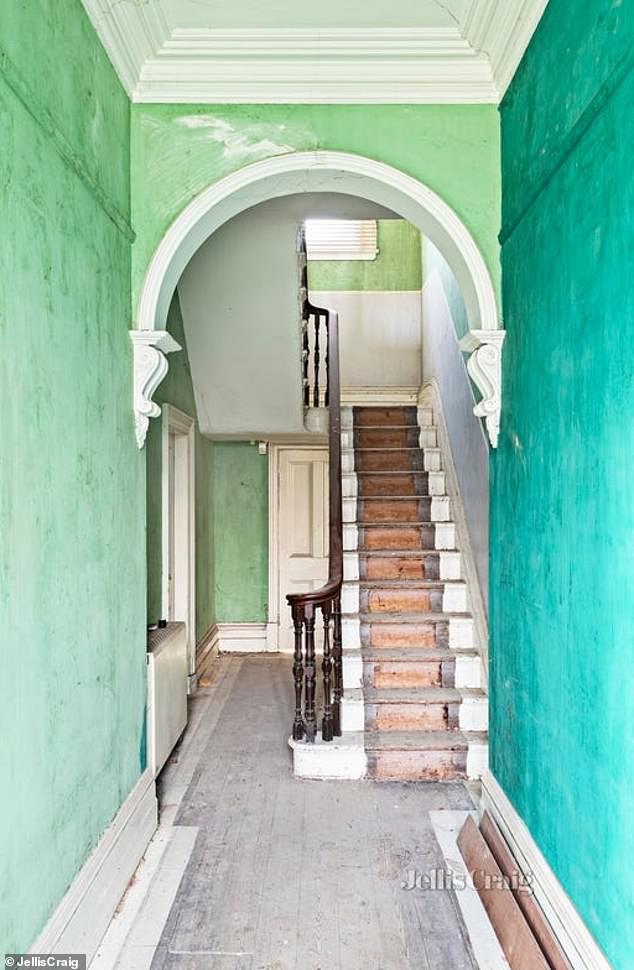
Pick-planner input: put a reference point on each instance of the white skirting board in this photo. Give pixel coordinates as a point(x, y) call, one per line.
point(574, 937)
point(240, 637)
point(83, 915)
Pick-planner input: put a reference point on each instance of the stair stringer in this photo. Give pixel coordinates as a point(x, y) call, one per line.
point(429, 397)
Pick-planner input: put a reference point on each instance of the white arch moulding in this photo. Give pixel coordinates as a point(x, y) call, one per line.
point(316, 171)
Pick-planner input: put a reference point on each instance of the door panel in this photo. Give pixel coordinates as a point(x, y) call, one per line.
point(303, 529)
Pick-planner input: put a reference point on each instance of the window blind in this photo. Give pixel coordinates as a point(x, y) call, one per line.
point(341, 239)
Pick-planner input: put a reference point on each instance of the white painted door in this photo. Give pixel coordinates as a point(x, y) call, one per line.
point(302, 529)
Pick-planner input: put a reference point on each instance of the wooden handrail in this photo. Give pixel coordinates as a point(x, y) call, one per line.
point(304, 606)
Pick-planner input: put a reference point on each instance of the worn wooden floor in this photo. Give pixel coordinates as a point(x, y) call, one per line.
point(292, 874)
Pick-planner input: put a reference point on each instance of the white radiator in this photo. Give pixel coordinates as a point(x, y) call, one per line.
point(167, 691)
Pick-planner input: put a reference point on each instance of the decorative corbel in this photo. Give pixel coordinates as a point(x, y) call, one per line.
point(150, 367)
point(485, 370)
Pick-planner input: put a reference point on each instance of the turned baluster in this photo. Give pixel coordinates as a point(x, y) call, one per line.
point(305, 361)
point(310, 720)
point(338, 668)
point(327, 362)
point(316, 362)
point(298, 671)
point(326, 666)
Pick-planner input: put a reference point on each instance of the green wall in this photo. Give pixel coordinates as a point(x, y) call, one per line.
point(177, 390)
point(562, 515)
point(396, 267)
point(240, 532)
point(72, 505)
point(178, 150)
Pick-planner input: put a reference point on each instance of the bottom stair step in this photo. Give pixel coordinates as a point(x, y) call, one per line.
point(425, 755)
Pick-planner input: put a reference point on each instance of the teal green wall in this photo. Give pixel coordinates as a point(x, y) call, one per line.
point(72, 491)
point(562, 582)
point(396, 267)
point(240, 532)
point(178, 150)
point(177, 390)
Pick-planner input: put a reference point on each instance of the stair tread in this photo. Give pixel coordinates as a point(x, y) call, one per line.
point(413, 654)
point(396, 471)
point(392, 427)
point(395, 448)
point(395, 523)
point(407, 583)
point(420, 695)
point(401, 553)
point(412, 617)
point(392, 498)
point(421, 740)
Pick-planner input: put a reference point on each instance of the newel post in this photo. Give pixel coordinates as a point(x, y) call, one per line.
point(149, 368)
point(485, 370)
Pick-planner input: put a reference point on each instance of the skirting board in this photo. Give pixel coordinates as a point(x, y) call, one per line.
point(379, 396)
point(574, 937)
point(240, 637)
point(81, 919)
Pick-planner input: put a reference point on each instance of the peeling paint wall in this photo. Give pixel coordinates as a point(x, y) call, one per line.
point(178, 150)
point(397, 265)
point(241, 542)
point(177, 390)
point(72, 487)
point(562, 514)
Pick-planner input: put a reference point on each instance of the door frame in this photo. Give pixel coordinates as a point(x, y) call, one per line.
point(181, 425)
point(275, 454)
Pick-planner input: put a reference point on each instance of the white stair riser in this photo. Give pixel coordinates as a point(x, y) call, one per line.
point(474, 714)
point(350, 537)
point(468, 672)
point(454, 598)
point(450, 565)
point(437, 484)
point(352, 672)
point(347, 420)
point(352, 714)
point(440, 509)
point(347, 462)
point(445, 536)
point(425, 417)
point(350, 566)
point(427, 438)
point(431, 459)
point(334, 760)
point(461, 633)
point(350, 598)
point(349, 485)
point(349, 509)
point(350, 633)
point(477, 760)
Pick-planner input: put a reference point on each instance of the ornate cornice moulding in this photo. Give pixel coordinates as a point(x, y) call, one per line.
point(160, 58)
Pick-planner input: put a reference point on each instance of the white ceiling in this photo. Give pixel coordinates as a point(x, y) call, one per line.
point(372, 51)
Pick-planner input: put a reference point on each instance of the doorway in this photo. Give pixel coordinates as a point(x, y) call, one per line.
point(298, 538)
point(179, 525)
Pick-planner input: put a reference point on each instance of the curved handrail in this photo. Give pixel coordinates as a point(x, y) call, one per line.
point(304, 606)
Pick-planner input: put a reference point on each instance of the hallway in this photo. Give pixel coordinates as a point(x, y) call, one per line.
point(283, 873)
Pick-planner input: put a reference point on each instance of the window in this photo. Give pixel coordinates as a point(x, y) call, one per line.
point(341, 239)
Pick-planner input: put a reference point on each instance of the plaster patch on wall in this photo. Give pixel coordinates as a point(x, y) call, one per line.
point(253, 141)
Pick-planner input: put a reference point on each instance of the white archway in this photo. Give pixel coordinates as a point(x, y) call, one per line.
point(313, 172)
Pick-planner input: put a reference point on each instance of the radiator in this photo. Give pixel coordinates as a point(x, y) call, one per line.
point(167, 691)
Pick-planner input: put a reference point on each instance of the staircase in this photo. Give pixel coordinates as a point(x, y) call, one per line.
point(412, 675)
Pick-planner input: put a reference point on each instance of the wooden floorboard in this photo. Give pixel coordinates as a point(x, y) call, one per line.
point(289, 874)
